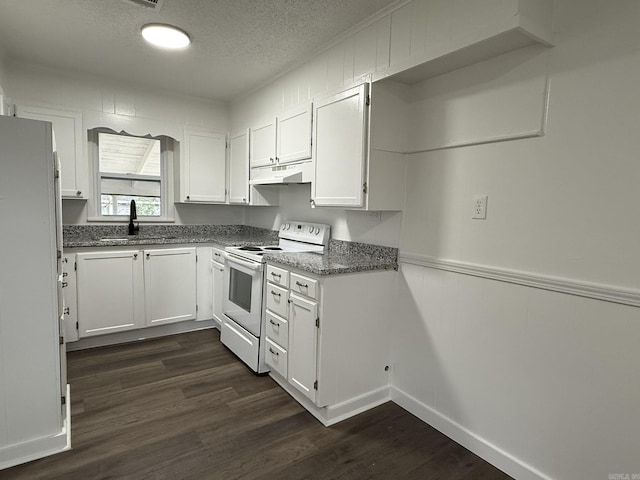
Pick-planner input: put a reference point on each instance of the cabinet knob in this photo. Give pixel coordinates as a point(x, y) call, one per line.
point(148, 256)
point(135, 256)
point(188, 197)
point(78, 193)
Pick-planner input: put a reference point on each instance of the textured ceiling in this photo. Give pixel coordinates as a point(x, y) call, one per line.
point(237, 44)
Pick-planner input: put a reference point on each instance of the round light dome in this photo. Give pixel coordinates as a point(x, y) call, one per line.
point(165, 36)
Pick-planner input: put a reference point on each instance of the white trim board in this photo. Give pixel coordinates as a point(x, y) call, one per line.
point(336, 413)
point(607, 293)
point(473, 442)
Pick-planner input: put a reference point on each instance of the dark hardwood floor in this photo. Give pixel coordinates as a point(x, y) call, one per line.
point(183, 407)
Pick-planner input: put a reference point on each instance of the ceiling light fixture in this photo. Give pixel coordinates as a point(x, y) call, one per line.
point(165, 36)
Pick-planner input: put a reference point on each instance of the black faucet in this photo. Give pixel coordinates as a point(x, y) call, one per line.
point(133, 229)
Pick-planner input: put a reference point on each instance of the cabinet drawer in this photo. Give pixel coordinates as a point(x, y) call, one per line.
point(278, 330)
point(278, 276)
point(304, 285)
point(276, 358)
point(217, 255)
point(277, 300)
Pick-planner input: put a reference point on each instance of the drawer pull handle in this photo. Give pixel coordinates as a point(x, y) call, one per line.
point(273, 323)
point(276, 274)
point(273, 352)
point(276, 294)
point(302, 285)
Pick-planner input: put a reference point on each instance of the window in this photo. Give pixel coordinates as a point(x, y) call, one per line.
point(130, 168)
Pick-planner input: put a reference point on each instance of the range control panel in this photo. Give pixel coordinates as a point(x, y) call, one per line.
point(315, 233)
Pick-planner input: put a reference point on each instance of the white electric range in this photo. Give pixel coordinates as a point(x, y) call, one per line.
point(243, 328)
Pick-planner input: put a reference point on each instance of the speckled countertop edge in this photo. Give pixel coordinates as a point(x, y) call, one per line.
point(341, 257)
point(81, 236)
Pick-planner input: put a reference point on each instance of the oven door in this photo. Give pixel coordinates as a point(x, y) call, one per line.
point(242, 301)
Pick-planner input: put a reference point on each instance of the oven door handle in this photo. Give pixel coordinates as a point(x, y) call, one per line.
point(234, 259)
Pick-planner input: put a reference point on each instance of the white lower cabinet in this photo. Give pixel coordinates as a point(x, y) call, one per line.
point(204, 283)
point(130, 289)
point(70, 297)
point(217, 264)
point(328, 348)
point(169, 285)
point(303, 341)
point(110, 292)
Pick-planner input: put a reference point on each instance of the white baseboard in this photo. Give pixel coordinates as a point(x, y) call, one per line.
point(471, 441)
point(40, 447)
point(141, 334)
point(336, 413)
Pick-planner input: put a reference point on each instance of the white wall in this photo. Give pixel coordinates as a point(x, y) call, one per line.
point(544, 384)
point(380, 228)
point(134, 108)
point(342, 64)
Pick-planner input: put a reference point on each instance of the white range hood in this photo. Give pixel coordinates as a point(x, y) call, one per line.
point(281, 174)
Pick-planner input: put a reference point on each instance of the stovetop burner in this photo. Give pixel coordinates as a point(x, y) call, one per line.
point(293, 237)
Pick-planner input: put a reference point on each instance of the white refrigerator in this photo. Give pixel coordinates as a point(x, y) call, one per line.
point(34, 396)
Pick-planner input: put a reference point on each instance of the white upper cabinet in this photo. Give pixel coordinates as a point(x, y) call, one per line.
point(293, 134)
point(339, 143)
point(203, 167)
point(67, 129)
point(239, 168)
point(263, 144)
point(352, 168)
point(282, 139)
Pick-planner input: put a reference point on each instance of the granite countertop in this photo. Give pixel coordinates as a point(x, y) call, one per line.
point(341, 257)
point(80, 236)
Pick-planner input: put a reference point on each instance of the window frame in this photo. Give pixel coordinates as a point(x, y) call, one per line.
point(167, 210)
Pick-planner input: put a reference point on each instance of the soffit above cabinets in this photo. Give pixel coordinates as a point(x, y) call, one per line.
point(238, 45)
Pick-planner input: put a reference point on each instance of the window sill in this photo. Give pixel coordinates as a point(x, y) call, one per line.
point(125, 219)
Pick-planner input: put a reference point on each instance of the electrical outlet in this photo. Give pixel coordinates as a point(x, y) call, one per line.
point(480, 207)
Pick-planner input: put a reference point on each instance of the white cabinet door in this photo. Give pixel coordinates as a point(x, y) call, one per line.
point(110, 292)
point(217, 286)
point(70, 297)
point(303, 341)
point(204, 167)
point(239, 168)
point(67, 129)
point(340, 146)
point(293, 139)
point(170, 285)
point(263, 144)
point(204, 279)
